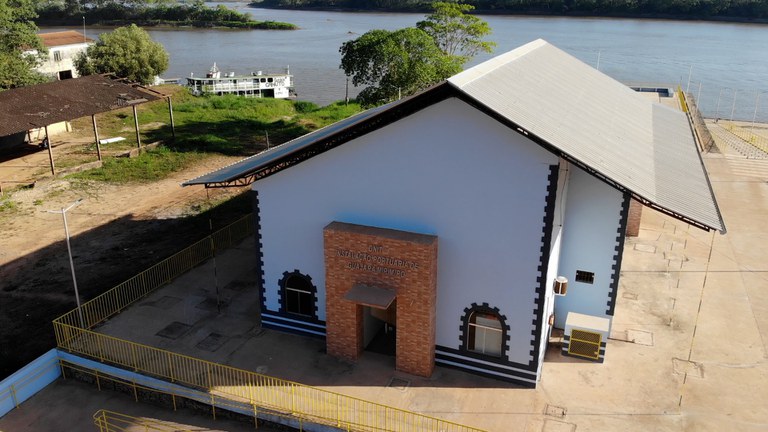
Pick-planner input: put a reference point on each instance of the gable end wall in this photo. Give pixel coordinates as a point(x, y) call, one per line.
point(447, 170)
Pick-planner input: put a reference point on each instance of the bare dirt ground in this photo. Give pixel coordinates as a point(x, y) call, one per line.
point(116, 231)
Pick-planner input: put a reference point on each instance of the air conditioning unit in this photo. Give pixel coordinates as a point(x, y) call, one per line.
point(585, 336)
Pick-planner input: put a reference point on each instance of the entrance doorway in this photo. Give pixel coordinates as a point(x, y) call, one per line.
point(381, 294)
point(380, 330)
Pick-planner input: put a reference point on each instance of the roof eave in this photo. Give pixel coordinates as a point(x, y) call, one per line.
point(398, 110)
point(589, 169)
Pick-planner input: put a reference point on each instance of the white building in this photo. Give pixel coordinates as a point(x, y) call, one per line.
point(436, 226)
point(63, 47)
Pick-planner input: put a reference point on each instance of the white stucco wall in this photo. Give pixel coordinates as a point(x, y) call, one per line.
point(592, 219)
point(68, 53)
point(447, 170)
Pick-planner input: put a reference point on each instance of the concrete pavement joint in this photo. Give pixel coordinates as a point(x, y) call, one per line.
point(698, 314)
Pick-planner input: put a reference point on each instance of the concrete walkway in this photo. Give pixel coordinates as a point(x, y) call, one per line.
point(687, 353)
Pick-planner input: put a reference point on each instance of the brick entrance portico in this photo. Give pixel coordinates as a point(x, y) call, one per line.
point(402, 262)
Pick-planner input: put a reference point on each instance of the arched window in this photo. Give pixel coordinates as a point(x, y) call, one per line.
point(485, 331)
point(298, 294)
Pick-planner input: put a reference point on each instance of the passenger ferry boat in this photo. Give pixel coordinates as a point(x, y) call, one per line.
point(258, 84)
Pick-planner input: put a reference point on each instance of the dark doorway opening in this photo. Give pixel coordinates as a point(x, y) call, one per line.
point(379, 331)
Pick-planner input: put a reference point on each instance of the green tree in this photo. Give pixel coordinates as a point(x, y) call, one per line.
point(395, 63)
point(455, 31)
point(18, 33)
point(128, 52)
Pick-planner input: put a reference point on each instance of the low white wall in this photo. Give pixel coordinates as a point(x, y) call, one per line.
point(27, 381)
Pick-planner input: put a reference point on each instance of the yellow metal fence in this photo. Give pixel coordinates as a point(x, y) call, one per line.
point(259, 391)
point(747, 134)
point(278, 396)
point(118, 298)
point(110, 421)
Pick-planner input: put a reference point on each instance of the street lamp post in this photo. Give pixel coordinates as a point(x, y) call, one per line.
point(63, 212)
point(754, 115)
point(717, 110)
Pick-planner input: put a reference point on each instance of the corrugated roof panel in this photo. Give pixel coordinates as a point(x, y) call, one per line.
point(599, 122)
point(592, 119)
point(41, 105)
point(266, 158)
point(68, 37)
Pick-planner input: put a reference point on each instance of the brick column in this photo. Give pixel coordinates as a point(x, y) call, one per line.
point(403, 262)
point(633, 221)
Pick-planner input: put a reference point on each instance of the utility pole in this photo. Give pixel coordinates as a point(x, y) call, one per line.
point(63, 212)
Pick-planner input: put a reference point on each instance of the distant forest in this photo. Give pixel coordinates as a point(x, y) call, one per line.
point(193, 13)
point(744, 10)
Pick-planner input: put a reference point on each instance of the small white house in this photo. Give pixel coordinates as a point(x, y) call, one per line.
point(435, 228)
point(63, 47)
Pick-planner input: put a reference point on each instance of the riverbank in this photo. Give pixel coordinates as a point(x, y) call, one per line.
point(177, 15)
point(533, 13)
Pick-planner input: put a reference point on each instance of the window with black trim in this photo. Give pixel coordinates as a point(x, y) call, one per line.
point(299, 295)
point(57, 56)
point(585, 276)
point(484, 332)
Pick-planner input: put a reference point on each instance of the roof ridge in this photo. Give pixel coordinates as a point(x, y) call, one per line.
point(478, 71)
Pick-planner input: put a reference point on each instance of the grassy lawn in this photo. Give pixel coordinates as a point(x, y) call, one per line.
point(228, 125)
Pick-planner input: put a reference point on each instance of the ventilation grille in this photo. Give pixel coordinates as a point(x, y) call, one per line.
point(585, 344)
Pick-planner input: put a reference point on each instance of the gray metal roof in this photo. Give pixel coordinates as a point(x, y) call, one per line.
point(254, 165)
point(587, 117)
point(600, 123)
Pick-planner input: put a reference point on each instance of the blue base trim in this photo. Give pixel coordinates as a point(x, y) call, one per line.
point(274, 321)
point(492, 369)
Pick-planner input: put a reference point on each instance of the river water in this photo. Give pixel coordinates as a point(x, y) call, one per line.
point(727, 61)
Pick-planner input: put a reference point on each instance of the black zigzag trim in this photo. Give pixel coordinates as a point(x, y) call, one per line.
point(546, 243)
point(259, 252)
point(621, 234)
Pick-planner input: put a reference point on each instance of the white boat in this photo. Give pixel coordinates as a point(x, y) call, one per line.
point(258, 84)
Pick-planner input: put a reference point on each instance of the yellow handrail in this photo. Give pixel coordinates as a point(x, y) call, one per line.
point(110, 421)
point(279, 396)
point(118, 298)
point(30, 377)
point(683, 102)
point(260, 391)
